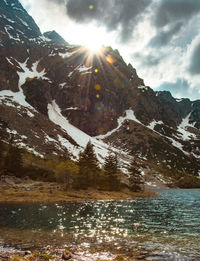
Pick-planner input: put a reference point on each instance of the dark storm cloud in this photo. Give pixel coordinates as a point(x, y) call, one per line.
point(114, 14)
point(180, 87)
point(194, 67)
point(170, 16)
point(170, 11)
point(164, 37)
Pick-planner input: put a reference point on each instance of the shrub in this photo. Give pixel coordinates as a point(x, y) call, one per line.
point(66, 172)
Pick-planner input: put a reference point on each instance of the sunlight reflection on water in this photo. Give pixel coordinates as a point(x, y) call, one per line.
point(164, 227)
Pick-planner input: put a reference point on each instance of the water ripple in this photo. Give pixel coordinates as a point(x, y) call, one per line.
point(159, 228)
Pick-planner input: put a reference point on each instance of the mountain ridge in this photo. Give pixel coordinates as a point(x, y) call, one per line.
point(82, 97)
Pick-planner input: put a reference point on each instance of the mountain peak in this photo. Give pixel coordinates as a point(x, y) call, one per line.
point(68, 96)
point(55, 37)
point(16, 24)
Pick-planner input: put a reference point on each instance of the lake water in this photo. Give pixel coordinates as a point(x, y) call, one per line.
point(166, 227)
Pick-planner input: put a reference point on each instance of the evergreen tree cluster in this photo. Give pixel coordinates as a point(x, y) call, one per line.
point(108, 178)
point(84, 174)
point(90, 175)
point(88, 168)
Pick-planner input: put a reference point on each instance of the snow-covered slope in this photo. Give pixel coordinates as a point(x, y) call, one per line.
point(54, 99)
point(101, 148)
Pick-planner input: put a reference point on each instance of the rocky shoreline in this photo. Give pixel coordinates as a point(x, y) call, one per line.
point(49, 253)
point(12, 254)
point(24, 190)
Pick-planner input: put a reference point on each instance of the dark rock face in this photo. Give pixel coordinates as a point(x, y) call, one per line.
point(37, 94)
point(195, 115)
point(8, 76)
point(55, 37)
point(92, 92)
point(15, 23)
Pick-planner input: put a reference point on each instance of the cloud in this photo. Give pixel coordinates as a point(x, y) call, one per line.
point(170, 11)
point(180, 89)
point(194, 67)
point(169, 17)
point(162, 38)
point(59, 2)
point(114, 14)
point(148, 60)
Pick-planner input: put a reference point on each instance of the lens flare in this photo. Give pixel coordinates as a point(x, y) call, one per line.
point(97, 87)
point(110, 58)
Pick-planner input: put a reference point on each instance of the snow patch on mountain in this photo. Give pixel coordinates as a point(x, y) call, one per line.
point(129, 115)
point(5, 2)
point(179, 99)
point(178, 145)
point(143, 88)
point(81, 68)
point(182, 128)
point(27, 73)
point(55, 116)
point(62, 84)
point(30, 114)
point(7, 28)
point(17, 97)
point(8, 19)
point(23, 22)
point(70, 147)
point(153, 124)
point(66, 54)
point(31, 150)
point(14, 132)
point(72, 109)
point(62, 142)
point(43, 38)
point(22, 144)
point(101, 149)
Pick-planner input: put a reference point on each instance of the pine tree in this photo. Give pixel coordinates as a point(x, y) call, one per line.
point(135, 181)
point(111, 163)
point(1, 156)
point(13, 161)
point(111, 172)
point(88, 167)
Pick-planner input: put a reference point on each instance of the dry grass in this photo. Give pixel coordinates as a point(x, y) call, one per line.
point(52, 192)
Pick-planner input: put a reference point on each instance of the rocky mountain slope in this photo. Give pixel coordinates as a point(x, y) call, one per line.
point(55, 97)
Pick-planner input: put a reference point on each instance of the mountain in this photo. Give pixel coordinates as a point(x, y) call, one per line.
point(55, 97)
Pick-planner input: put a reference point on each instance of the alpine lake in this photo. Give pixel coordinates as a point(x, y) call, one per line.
point(165, 227)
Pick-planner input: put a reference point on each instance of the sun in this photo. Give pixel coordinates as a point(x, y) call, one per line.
point(94, 47)
point(92, 37)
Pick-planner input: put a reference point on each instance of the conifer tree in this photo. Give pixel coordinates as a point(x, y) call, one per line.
point(88, 167)
point(13, 161)
point(111, 172)
point(1, 156)
point(135, 181)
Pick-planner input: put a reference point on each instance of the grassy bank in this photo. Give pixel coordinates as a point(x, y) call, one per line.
point(48, 192)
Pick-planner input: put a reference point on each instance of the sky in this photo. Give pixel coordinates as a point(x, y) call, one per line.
point(160, 38)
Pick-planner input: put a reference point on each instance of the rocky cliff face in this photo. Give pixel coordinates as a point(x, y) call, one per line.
point(54, 97)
